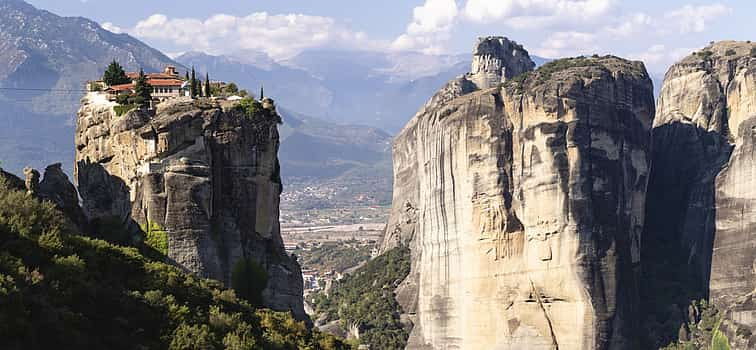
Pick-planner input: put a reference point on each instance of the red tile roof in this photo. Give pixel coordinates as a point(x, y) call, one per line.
point(165, 82)
point(122, 87)
point(135, 75)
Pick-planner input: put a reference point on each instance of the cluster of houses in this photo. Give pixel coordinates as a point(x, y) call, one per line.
point(315, 281)
point(165, 85)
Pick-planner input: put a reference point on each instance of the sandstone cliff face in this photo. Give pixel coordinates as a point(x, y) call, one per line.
point(701, 194)
point(523, 206)
point(205, 175)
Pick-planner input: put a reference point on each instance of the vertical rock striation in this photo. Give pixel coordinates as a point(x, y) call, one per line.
point(523, 206)
point(699, 239)
point(203, 176)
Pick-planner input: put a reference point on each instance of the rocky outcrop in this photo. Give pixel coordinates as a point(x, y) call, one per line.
point(55, 188)
point(58, 189)
point(10, 180)
point(523, 206)
point(496, 59)
point(200, 180)
point(699, 240)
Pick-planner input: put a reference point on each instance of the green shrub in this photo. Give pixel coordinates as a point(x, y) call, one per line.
point(122, 99)
point(517, 82)
point(705, 55)
point(192, 337)
point(249, 279)
point(753, 52)
point(123, 109)
point(231, 88)
point(719, 340)
point(730, 52)
point(155, 236)
point(250, 106)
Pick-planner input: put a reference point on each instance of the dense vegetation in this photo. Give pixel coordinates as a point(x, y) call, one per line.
point(337, 256)
point(123, 109)
point(156, 237)
point(60, 290)
point(253, 108)
point(366, 298)
point(545, 72)
point(703, 334)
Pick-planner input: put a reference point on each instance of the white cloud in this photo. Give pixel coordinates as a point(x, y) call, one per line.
point(280, 36)
point(658, 57)
point(430, 27)
point(563, 44)
point(535, 13)
point(631, 25)
point(112, 27)
point(693, 19)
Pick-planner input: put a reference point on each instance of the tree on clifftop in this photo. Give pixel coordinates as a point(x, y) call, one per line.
point(193, 84)
point(208, 92)
point(115, 75)
point(142, 90)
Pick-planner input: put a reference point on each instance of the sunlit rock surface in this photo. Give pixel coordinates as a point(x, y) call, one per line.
point(523, 206)
point(205, 174)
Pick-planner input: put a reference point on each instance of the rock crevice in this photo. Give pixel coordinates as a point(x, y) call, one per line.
point(698, 240)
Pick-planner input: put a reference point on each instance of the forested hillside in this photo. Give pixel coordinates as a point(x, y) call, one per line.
point(63, 290)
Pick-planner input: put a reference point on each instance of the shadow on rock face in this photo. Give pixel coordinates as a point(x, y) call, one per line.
point(679, 228)
point(105, 199)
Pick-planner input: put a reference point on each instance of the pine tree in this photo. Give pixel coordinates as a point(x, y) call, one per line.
point(207, 85)
point(193, 84)
point(142, 90)
point(115, 75)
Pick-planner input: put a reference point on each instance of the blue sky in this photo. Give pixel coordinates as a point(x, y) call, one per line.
point(658, 32)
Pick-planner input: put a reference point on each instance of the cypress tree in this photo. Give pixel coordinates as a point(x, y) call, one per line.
point(207, 85)
point(262, 93)
point(142, 90)
point(193, 84)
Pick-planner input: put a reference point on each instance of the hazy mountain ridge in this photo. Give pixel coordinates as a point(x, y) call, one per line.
point(44, 61)
point(41, 50)
point(380, 90)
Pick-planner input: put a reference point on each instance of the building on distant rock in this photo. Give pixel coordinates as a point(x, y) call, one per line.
point(167, 84)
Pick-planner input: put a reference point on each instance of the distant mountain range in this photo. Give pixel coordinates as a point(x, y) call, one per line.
point(44, 61)
point(346, 87)
point(340, 108)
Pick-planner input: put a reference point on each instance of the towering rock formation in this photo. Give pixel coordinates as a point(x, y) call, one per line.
point(523, 204)
point(496, 59)
point(200, 179)
point(699, 238)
